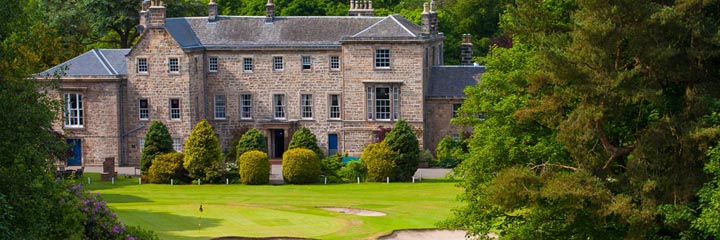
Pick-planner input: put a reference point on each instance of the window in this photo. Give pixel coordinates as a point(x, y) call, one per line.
point(177, 145)
point(213, 64)
point(73, 110)
point(247, 64)
point(277, 63)
point(383, 103)
point(382, 58)
point(142, 144)
point(142, 65)
point(174, 109)
point(334, 106)
point(306, 104)
point(143, 109)
point(306, 63)
point(334, 63)
point(173, 65)
point(455, 108)
point(245, 106)
point(279, 106)
point(220, 107)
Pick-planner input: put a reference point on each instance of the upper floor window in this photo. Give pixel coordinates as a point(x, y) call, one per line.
point(334, 63)
point(142, 65)
point(383, 103)
point(306, 62)
point(279, 106)
point(248, 64)
point(334, 106)
point(306, 103)
point(278, 63)
point(455, 108)
point(213, 64)
point(382, 58)
point(73, 110)
point(245, 106)
point(143, 109)
point(173, 65)
point(175, 109)
point(220, 107)
point(177, 145)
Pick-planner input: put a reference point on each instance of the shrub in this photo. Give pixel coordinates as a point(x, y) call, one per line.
point(406, 150)
point(426, 158)
point(251, 140)
point(236, 134)
point(378, 161)
point(330, 167)
point(300, 166)
point(304, 138)
point(353, 170)
point(167, 166)
point(450, 152)
point(203, 159)
point(157, 142)
point(254, 168)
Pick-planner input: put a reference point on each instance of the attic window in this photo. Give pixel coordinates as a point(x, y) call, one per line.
point(306, 63)
point(278, 63)
point(213, 64)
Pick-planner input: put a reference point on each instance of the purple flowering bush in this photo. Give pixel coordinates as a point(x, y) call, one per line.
point(101, 223)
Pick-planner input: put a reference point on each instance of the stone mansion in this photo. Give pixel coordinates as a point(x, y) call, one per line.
point(346, 78)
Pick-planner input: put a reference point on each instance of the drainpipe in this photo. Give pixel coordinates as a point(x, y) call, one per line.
point(121, 123)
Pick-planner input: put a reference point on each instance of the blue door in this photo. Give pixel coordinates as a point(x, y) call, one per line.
point(332, 144)
point(74, 157)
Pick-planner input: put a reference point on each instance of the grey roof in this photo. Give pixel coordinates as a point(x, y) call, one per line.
point(295, 31)
point(96, 62)
point(451, 81)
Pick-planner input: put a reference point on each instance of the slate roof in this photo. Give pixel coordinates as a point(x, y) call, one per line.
point(451, 81)
point(291, 31)
point(96, 62)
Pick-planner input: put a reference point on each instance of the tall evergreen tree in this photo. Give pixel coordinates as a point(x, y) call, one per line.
point(157, 142)
point(406, 150)
point(202, 153)
point(251, 140)
point(304, 138)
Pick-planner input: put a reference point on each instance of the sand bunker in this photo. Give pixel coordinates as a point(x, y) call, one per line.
point(354, 211)
point(429, 234)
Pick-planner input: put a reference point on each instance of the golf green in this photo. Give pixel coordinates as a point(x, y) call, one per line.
point(173, 212)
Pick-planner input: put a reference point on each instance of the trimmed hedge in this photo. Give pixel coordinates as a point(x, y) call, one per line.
point(301, 166)
point(167, 166)
point(304, 138)
point(378, 161)
point(254, 168)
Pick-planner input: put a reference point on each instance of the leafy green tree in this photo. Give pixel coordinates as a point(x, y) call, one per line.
point(709, 216)
point(406, 150)
point(251, 140)
point(157, 142)
point(378, 161)
point(254, 168)
point(330, 167)
point(450, 152)
point(118, 17)
point(301, 166)
point(203, 157)
point(304, 138)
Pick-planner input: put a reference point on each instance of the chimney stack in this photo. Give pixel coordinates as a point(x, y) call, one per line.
point(212, 11)
point(156, 14)
point(144, 15)
point(429, 19)
point(466, 50)
point(269, 12)
point(361, 8)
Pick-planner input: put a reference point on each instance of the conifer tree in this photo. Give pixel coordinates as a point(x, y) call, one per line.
point(202, 153)
point(406, 150)
point(251, 140)
point(304, 138)
point(157, 142)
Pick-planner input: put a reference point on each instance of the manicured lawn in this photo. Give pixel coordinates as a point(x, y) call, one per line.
point(287, 210)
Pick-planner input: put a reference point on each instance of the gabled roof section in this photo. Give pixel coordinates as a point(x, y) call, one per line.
point(451, 81)
point(393, 26)
point(96, 62)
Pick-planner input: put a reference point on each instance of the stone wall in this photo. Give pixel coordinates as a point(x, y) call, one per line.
point(439, 112)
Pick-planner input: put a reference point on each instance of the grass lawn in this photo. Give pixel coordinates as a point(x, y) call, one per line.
point(287, 210)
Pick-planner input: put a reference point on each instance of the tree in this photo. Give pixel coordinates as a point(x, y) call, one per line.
point(119, 17)
point(157, 142)
point(304, 138)
point(251, 140)
point(378, 161)
point(203, 157)
point(406, 150)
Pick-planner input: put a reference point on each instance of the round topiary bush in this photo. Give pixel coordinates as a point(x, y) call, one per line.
point(301, 166)
point(167, 166)
point(254, 168)
point(378, 161)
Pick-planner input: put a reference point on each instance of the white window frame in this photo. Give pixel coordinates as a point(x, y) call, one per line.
point(335, 63)
point(73, 110)
point(142, 144)
point(144, 112)
point(245, 106)
point(220, 107)
point(178, 145)
point(247, 65)
point(334, 109)
point(142, 65)
point(174, 65)
point(382, 58)
point(278, 63)
point(279, 101)
point(175, 113)
point(213, 64)
point(306, 106)
point(305, 62)
point(392, 104)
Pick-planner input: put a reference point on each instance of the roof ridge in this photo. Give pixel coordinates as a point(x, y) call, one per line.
point(105, 61)
point(402, 25)
point(370, 27)
point(105, 64)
